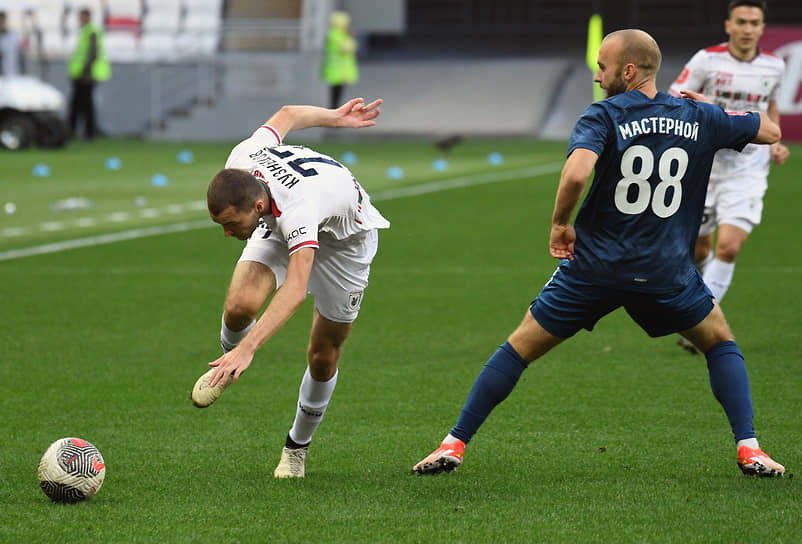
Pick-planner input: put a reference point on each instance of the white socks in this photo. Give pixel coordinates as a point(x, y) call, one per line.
point(230, 339)
point(750, 443)
point(313, 398)
point(718, 276)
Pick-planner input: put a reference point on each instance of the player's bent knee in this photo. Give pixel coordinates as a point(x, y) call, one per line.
point(240, 310)
point(727, 252)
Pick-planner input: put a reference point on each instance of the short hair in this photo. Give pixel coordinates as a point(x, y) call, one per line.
point(85, 11)
point(638, 48)
point(759, 4)
point(233, 187)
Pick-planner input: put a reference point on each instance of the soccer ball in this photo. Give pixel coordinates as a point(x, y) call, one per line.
point(71, 470)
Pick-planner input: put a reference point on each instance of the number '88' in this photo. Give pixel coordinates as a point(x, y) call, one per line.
point(673, 158)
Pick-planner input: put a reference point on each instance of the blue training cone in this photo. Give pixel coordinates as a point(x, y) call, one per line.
point(185, 156)
point(495, 158)
point(158, 180)
point(41, 170)
point(395, 172)
point(440, 165)
point(113, 163)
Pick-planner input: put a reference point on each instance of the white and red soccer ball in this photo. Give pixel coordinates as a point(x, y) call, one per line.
point(71, 470)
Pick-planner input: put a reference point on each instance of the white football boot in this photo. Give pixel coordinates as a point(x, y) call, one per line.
point(292, 463)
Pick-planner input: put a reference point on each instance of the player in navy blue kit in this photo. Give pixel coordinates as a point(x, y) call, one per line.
point(632, 242)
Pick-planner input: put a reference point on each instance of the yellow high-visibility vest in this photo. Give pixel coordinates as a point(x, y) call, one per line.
point(339, 66)
point(101, 69)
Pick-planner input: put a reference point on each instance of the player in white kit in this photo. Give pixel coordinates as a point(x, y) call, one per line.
point(311, 228)
point(739, 76)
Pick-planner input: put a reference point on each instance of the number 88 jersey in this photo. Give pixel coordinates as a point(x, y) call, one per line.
point(638, 224)
point(310, 192)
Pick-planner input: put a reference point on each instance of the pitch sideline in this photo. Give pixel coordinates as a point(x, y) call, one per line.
point(389, 194)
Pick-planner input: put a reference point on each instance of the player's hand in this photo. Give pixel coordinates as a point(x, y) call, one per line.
point(356, 114)
point(779, 153)
point(235, 362)
point(561, 242)
point(699, 97)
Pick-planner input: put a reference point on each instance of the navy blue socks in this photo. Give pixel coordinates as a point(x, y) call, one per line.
point(496, 380)
point(730, 384)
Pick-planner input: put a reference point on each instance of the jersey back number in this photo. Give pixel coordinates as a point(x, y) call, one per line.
point(671, 167)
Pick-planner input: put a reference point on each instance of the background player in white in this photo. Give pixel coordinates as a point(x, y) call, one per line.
point(311, 228)
point(738, 76)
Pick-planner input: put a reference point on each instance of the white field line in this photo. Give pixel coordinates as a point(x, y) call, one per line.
point(389, 194)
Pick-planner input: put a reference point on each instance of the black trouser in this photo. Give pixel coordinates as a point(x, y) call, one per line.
point(336, 93)
point(83, 105)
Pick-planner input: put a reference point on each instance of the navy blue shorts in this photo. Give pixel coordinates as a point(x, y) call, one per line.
point(567, 304)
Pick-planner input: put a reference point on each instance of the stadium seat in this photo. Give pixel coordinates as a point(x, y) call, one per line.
point(124, 15)
point(157, 46)
point(162, 17)
point(122, 46)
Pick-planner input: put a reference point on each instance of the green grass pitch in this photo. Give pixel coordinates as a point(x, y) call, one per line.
point(612, 437)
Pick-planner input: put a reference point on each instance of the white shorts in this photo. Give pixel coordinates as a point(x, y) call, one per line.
point(339, 273)
point(734, 202)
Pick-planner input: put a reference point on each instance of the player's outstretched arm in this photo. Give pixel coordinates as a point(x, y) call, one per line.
point(769, 131)
point(281, 307)
point(353, 114)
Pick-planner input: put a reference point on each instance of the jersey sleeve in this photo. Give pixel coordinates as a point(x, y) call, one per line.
point(590, 131)
point(299, 227)
point(262, 137)
point(267, 136)
point(692, 77)
point(733, 129)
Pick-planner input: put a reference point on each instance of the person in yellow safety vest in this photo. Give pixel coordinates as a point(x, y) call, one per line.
point(87, 66)
point(339, 63)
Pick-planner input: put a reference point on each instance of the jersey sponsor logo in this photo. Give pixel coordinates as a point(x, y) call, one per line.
point(683, 77)
point(257, 174)
point(296, 233)
point(723, 78)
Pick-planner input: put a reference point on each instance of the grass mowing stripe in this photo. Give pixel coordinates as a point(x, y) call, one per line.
point(466, 181)
point(104, 239)
point(390, 194)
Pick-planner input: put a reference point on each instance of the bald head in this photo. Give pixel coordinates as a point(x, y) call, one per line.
point(636, 47)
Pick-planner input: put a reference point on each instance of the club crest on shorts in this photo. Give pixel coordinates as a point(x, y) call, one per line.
point(354, 299)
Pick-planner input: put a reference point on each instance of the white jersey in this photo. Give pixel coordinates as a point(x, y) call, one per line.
point(735, 85)
point(310, 193)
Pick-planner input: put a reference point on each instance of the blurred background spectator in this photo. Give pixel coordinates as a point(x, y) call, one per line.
point(11, 60)
point(87, 66)
point(339, 60)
